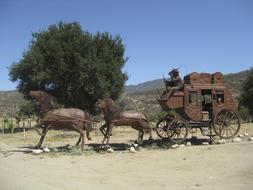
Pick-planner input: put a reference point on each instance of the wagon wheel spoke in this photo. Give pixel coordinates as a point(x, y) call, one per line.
point(231, 133)
point(179, 132)
point(226, 124)
point(164, 134)
point(161, 128)
point(227, 131)
point(233, 125)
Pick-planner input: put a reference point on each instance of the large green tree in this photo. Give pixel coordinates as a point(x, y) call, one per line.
point(74, 65)
point(246, 96)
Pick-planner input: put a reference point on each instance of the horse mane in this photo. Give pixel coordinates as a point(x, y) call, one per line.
point(48, 102)
point(113, 107)
point(111, 110)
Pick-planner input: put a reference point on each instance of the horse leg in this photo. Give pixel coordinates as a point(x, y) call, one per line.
point(146, 125)
point(36, 128)
point(108, 133)
point(88, 128)
point(78, 126)
point(82, 136)
point(44, 132)
point(79, 140)
point(102, 129)
point(150, 134)
point(140, 136)
point(88, 135)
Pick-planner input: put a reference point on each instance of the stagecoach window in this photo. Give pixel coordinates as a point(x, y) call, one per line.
point(193, 98)
point(220, 97)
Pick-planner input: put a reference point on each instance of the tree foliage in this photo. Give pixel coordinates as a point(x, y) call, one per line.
point(246, 96)
point(244, 113)
point(74, 65)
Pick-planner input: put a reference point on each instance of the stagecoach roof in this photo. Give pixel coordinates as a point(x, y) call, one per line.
point(204, 78)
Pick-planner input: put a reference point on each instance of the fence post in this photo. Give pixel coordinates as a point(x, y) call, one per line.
point(24, 133)
point(3, 128)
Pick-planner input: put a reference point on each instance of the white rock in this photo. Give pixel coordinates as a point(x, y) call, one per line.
point(251, 139)
point(240, 135)
point(181, 145)
point(237, 139)
point(246, 134)
point(205, 143)
point(132, 150)
point(221, 141)
point(46, 149)
point(188, 144)
point(174, 146)
point(37, 151)
point(110, 150)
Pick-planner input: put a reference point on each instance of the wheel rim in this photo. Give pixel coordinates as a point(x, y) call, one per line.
point(177, 131)
point(161, 128)
point(226, 124)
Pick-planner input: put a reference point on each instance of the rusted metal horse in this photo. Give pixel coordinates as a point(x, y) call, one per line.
point(114, 116)
point(53, 116)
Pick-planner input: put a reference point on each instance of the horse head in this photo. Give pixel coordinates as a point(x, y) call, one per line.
point(108, 107)
point(45, 101)
point(37, 94)
point(102, 104)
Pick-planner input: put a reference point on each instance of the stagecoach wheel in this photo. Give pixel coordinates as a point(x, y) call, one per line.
point(177, 131)
point(226, 124)
point(161, 127)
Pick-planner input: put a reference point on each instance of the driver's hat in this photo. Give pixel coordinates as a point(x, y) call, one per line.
point(173, 71)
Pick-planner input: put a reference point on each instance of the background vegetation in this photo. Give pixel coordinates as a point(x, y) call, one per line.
point(140, 100)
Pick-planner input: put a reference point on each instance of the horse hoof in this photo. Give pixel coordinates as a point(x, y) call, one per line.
point(102, 147)
point(89, 138)
point(37, 147)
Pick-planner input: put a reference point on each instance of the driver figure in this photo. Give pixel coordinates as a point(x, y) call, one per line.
point(174, 84)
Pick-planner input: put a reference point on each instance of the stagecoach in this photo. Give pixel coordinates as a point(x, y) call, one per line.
point(203, 102)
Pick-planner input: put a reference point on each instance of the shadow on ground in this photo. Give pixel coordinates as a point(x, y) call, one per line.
point(117, 147)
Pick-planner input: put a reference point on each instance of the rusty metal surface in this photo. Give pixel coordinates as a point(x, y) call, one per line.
point(198, 86)
point(115, 116)
point(203, 101)
point(132, 115)
point(53, 116)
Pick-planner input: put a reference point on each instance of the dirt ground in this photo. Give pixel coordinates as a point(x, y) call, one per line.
point(227, 166)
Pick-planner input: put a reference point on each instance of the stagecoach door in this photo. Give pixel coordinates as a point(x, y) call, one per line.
point(207, 104)
point(192, 103)
point(218, 100)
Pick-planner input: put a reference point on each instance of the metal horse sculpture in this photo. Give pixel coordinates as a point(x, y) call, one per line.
point(114, 116)
point(53, 116)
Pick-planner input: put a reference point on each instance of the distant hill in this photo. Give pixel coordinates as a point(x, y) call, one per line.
point(10, 101)
point(144, 87)
point(234, 80)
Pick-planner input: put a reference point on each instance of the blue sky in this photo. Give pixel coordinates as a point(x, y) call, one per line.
point(197, 35)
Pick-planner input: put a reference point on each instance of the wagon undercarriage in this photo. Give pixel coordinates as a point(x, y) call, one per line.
point(225, 125)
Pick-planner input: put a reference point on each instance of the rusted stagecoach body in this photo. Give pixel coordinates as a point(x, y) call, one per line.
point(202, 96)
point(203, 101)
